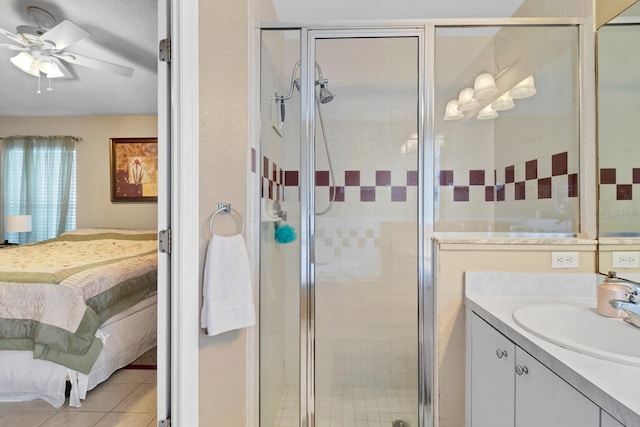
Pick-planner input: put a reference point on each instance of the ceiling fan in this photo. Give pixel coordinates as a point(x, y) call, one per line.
point(42, 47)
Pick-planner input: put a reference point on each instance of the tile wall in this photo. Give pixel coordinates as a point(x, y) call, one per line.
point(619, 130)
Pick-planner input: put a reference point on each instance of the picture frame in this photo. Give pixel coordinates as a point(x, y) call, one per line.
point(133, 166)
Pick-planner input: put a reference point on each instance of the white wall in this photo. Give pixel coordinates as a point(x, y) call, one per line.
point(94, 206)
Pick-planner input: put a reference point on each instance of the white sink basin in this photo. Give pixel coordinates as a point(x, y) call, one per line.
point(583, 330)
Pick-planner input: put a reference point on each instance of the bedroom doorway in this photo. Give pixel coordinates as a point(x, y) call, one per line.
point(160, 28)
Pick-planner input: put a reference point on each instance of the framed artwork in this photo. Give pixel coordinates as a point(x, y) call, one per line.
point(134, 169)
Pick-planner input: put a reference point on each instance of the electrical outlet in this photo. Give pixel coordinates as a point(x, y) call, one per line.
point(625, 260)
point(564, 260)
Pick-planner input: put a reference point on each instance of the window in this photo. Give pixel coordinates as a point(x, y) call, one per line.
point(39, 179)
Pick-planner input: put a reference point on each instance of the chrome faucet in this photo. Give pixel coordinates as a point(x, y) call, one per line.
point(631, 306)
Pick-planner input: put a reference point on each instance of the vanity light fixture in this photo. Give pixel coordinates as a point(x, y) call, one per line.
point(487, 113)
point(524, 89)
point(466, 101)
point(484, 86)
point(505, 102)
point(452, 112)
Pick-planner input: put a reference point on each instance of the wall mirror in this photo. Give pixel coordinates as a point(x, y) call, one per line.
point(618, 105)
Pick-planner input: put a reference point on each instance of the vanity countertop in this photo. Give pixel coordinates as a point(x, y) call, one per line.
point(613, 386)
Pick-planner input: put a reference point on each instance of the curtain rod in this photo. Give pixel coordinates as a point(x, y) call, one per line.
point(74, 138)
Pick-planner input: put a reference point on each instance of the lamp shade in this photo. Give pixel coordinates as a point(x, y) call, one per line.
point(484, 86)
point(466, 101)
point(25, 61)
point(452, 112)
point(50, 69)
point(505, 102)
point(487, 113)
point(17, 223)
point(524, 89)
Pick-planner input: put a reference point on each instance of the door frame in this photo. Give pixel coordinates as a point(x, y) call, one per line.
point(180, 123)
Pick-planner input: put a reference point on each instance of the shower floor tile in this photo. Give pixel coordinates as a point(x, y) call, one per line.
point(354, 407)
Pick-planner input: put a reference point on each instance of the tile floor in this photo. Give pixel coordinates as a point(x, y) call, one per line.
point(127, 399)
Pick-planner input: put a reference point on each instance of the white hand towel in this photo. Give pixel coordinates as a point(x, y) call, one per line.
point(227, 291)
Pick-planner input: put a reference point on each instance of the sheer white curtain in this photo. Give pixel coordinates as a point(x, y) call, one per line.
point(39, 179)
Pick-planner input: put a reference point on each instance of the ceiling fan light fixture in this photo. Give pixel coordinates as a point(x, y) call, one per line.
point(25, 61)
point(50, 69)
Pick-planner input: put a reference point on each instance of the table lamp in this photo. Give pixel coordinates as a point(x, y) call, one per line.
point(17, 224)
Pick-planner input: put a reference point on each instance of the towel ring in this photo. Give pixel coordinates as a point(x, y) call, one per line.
point(226, 208)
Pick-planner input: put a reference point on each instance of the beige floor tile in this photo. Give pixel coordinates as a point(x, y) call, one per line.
point(142, 399)
point(104, 398)
point(153, 378)
point(135, 376)
point(153, 423)
point(25, 418)
point(118, 419)
point(32, 405)
point(5, 407)
point(74, 419)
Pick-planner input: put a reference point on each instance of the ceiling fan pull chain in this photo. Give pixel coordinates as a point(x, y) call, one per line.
point(39, 91)
point(49, 88)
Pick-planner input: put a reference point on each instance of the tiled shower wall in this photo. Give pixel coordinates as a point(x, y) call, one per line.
point(619, 130)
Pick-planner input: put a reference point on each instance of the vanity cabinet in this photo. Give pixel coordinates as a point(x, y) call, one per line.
point(508, 387)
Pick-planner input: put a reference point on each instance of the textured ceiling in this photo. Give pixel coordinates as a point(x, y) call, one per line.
point(121, 31)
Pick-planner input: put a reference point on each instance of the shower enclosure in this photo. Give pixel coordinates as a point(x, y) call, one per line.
point(347, 325)
point(341, 305)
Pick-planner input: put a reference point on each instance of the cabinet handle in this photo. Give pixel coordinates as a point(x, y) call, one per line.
point(520, 370)
point(501, 353)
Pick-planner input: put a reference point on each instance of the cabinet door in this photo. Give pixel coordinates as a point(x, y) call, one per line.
point(544, 399)
point(492, 378)
point(607, 420)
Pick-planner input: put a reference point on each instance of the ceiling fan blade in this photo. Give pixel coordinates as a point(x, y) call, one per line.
point(16, 38)
point(64, 34)
point(13, 47)
point(96, 64)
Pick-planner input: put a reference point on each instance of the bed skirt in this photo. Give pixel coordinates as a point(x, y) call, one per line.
point(129, 334)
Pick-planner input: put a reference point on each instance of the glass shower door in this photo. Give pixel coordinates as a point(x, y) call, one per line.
point(366, 231)
point(278, 166)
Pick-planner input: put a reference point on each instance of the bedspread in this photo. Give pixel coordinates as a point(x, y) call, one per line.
point(55, 294)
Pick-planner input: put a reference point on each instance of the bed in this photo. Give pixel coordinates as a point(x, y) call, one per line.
point(75, 309)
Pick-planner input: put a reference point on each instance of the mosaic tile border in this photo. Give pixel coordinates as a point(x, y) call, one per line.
point(472, 181)
point(466, 184)
point(609, 177)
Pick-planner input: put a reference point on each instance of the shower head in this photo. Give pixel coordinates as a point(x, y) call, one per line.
point(325, 95)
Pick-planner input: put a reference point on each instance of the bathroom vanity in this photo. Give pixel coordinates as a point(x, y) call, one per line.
point(518, 376)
